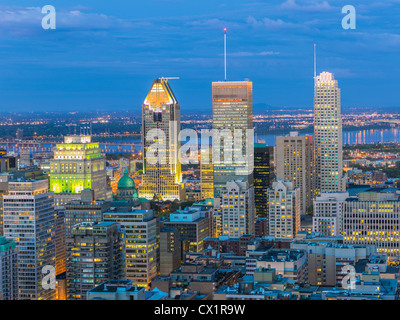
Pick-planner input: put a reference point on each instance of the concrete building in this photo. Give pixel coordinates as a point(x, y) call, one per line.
point(60, 244)
point(142, 243)
point(86, 209)
point(373, 218)
point(284, 209)
point(326, 259)
point(8, 269)
point(290, 263)
point(95, 253)
point(192, 224)
point(328, 213)
point(294, 156)
point(237, 209)
point(29, 220)
point(170, 251)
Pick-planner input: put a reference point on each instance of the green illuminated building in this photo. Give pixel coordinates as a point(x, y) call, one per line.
point(78, 164)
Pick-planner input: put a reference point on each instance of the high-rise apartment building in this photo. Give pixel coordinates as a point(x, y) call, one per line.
point(295, 162)
point(95, 253)
point(141, 240)
point(29, 221)
point(8, 269)
point(237, 209)
point(162, 177)
point(328, 213)
point(78, 164)
point(284, 210)
point(328, 135)
point(232, 135)
point(263, 177)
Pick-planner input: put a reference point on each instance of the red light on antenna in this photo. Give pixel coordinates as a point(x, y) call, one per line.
point(225, 29)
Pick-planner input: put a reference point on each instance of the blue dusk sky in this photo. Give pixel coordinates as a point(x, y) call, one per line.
point(104, 55)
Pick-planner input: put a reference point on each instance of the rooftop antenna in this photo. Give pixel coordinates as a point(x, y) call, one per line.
point(315, 60)
point(225, 51)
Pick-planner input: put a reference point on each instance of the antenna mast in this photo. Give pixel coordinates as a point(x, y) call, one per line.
point(315, 60)
point(225, 51)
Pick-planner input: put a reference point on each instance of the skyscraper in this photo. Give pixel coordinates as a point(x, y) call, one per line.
point(78, 164)
point(29, 221)
point(140, 228)
point(295, 162)
point(162, 176)
point(328, 135)
point(263, 177)
point(232, 113)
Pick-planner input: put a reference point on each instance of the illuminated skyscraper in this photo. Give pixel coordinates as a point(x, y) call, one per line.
point(162, 176)
point(29, 221)
point(232, 111)
point(328, 135)
point(263, 177)
point(78, 164)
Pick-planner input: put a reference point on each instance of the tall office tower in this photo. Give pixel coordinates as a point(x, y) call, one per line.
point(263, 177)
point(206, 174)
point(78, 164)
point(8, 269)
point(284, 210)
point(237, 209)
point(84, 210)
point(328, 213)
point(170, 251)
point(232, 113)
point(60, 236)
point(142, 246)
point(328, 135)
point(95, 253)
point(373, 218)
point(295, 162)
point(29, 221)
point(162, 177)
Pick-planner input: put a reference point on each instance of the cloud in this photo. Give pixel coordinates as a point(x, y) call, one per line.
point(268, 23)
point(320, 6)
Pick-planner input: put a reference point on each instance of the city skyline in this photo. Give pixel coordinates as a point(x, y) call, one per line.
point(99, 57)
